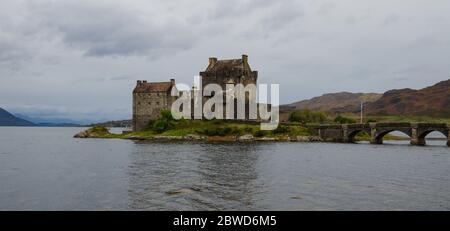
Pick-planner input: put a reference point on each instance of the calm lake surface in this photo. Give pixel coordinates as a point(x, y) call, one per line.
point(47, 169)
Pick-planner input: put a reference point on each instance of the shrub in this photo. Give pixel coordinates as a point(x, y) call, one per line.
point(344, 120)
point(219, 131)
point(237, 131)
point(281, 129)
point(260, 133)
point(99, 129)
point(166, 115)
point(248, 129)
point(307, 116)
point(164, 123)
point(216, 121)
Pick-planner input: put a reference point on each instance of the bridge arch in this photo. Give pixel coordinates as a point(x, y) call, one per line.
point(423, 134)
point(347, 132)
point(352, 134)
point(377, 138)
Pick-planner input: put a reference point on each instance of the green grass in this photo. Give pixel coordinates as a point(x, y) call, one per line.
point(363, 136)
point(167, 126)
point(423, 119)
point(397, 119)
point(208, 128)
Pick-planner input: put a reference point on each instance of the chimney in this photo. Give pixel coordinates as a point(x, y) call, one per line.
point(245, 59)
point(172, 81)
point(139, 82)
point(212, 60)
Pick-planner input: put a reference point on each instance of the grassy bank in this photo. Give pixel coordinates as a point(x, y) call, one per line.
point(406, 119)
point(200, 128)
point(317, 117)
point(167, 127)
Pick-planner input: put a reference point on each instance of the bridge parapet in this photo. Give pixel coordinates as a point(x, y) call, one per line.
point(430, 124)
point(347, 132)
point(382, 125)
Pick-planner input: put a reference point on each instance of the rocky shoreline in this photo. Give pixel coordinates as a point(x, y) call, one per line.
point(90, 133)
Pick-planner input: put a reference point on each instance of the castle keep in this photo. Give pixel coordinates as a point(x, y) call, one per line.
point(149, 98)
point(231, 71)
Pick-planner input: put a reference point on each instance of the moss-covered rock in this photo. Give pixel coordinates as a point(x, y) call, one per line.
point(94, 132)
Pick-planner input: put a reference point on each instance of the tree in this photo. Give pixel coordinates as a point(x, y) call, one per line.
point(307, 116)
point(344, 120)
point(164, 123)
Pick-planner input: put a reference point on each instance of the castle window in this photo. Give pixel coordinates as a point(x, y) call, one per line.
point(149, 103)
point(157, 103)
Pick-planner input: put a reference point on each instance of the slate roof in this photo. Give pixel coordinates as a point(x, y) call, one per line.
point(145, 87)
point(227, 65)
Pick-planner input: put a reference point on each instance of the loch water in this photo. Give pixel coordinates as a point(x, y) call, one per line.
point(44, 168)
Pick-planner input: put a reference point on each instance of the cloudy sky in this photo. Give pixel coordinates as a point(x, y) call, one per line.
point(80, 59)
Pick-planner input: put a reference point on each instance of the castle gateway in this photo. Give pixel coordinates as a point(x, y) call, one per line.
point(149, 98)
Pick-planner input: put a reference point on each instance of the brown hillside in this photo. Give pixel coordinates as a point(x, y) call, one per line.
point(429, 101)
point(335, 102)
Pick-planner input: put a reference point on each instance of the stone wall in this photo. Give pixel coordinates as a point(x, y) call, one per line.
point(147, 106)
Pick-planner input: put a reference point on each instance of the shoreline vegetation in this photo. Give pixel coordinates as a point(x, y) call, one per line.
point(167, 128)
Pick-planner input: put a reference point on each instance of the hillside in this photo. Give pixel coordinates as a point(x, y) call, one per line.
point(334, 102)
point(114, 123)
point(430, 101)
point(433, 101)
point(8, 119)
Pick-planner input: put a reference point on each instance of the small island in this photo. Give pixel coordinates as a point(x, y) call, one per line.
point(166, 128)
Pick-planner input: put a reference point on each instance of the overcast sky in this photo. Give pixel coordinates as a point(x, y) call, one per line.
point(81, 59)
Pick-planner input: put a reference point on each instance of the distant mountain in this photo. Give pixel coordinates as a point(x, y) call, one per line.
point(44, 121)
point(430, 101)
point(8, 119)
point(59, 125)
point(334, 102)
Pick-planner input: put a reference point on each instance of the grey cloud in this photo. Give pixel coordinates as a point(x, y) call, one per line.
point(269, 21)
point(122, 77)
point(390, 19)
point(238, 8)
point(326, 7)
point(80, 58)
point(107, 30)
point(282, 16)
point(12, 55)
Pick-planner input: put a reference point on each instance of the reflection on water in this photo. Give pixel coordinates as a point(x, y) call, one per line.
point(47, 169)
point(199, 176)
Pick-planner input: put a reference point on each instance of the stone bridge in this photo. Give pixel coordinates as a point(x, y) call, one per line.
point(347, 132)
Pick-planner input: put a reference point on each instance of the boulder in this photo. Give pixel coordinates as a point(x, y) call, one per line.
point(193, 137)
point(221, 138)
point(283, 138)
point(168, 137)
point(265, 139)
point(302, 138)
point(246, 137)
point(82, 134)
point(94, 132)
point(315, 139)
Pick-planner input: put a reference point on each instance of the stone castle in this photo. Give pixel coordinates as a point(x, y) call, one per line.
point(149, 98)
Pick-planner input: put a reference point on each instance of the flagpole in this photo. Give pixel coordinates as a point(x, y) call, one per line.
point(361, 113)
